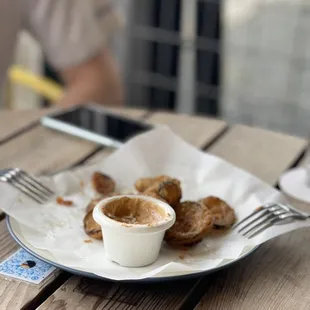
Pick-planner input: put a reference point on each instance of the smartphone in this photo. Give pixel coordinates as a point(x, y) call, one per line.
point(97, 124)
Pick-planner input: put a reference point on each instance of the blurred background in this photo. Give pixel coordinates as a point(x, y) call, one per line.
point(245, 61)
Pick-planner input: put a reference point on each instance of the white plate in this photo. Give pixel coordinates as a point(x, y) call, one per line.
point(59, 231)
point(14, 230)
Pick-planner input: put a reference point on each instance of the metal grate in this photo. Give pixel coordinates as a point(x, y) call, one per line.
point(173, 59)
point(177, 47)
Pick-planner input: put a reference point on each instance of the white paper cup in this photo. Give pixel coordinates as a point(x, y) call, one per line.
point(133, 245)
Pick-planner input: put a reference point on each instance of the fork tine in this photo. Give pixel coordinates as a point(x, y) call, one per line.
point(270, 214)
point(28, 189)
point(271, 209)
point(264, 224)
point(258, 224)
point(266, 212)
point(26, 184)
point(259, 209)
point(26, 175)
point(277, 219)
point(39, 189)
point(263, 228)
point(16, 185)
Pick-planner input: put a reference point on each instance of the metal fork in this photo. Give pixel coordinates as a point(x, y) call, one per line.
point(26, 184)
point(267, 216)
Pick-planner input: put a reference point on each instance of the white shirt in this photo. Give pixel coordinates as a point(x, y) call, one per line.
point(69, 31)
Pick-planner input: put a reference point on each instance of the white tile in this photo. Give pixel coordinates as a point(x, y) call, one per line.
point(268, 77)
point(261, 86)
point(305, 80)
point(303, 100)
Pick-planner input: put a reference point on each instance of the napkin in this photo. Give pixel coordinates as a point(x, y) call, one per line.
point(59, 230)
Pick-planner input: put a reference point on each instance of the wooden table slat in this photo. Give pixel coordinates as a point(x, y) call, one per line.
point(261, 152)
point(14, 294)
point(81, 293)
point(276, 276)
point(44, 150)
point(196, 130)
point(12, 122)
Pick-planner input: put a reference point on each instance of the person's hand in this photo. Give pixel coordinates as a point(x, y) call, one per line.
point(97, 80)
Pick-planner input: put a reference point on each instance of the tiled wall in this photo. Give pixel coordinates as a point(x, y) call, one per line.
point(266, 72)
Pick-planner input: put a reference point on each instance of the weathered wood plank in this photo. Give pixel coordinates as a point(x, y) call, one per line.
point(81, 293)
point(277, 275)
point(199, 131)
point(12, 122)
point(263, 153)
point(14, 294)
point(43, 150)
point(7, 245)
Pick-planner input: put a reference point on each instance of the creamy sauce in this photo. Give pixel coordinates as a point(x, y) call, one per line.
point(134, 211)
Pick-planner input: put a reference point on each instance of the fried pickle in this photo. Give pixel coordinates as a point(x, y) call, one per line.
point(169, 191)
point(193, 222)
point(143, 184)
point(102, 183)
point(91, 227)
point(223, 215)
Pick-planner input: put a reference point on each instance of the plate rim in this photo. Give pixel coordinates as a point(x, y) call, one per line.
point(145, 280)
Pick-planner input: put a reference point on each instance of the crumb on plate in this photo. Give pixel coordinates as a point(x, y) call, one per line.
point(63, 202)
point(88, 241)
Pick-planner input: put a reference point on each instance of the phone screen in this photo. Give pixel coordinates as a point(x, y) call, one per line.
point(103, 123)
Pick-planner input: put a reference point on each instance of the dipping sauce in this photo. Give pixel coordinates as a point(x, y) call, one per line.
point(134, 227)
point(134, 210)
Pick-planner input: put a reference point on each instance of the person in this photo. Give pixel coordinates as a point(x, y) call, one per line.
point(74, 36)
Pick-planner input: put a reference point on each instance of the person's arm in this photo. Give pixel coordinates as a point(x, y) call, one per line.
point(76, 46)
point(95, 80)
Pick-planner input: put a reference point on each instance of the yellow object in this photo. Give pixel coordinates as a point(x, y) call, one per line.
point(43, 86)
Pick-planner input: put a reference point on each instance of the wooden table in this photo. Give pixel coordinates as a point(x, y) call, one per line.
point(277, 276)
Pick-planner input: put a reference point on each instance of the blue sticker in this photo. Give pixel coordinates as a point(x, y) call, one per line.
point(22, 265)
